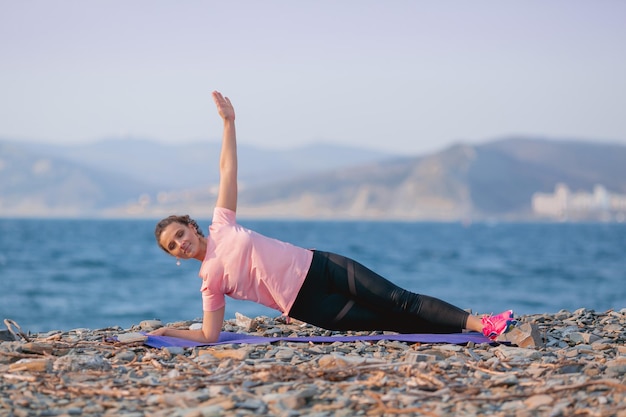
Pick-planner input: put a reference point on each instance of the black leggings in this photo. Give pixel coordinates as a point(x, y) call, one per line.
point(341, 294)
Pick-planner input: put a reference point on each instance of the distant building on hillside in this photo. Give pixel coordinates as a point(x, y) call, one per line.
point(564, 204)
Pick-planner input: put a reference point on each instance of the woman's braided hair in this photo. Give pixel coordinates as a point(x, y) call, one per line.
point(186, 220)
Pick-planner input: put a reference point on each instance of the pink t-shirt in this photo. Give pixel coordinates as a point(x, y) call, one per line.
point(246, 265)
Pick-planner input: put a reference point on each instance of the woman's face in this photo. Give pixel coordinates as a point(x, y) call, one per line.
point(180, 240)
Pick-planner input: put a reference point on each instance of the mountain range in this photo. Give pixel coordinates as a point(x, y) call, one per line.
point(143, 178)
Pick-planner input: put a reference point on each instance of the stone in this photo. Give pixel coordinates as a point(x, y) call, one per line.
point(7, 336)
point(571, 369)
point(125, 356)
point(537, 401)
point(616, 367)
point(602, 344)
point(507, 380)
point(31, 365)
point(81, 362)
point(525, 335)
point(246, 323)
point(132, 337)
point(414, 357)
point(582, 337)
point(292, 402)
point(174, 350)
point(284, 354)
point(613, 328)
point(37, 348)
point(237, 354)
point(331, 361)
point(509, 352)
point(149, 325)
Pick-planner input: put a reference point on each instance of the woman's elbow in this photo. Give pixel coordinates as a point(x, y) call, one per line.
point(212, 323)
point(210, 335)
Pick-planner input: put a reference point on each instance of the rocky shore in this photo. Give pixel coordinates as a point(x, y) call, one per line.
point(562, 364)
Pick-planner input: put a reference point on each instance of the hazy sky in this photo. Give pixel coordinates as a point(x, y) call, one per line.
point(403, 76)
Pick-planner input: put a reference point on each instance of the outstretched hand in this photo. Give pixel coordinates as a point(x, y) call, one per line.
point(158, 332)
point(224, 107)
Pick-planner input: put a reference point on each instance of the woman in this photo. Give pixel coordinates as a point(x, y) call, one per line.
point(323, 289)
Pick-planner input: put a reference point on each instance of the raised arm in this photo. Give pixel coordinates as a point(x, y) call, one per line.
point(227, 192)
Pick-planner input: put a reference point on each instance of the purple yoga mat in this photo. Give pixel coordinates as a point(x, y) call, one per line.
point(240, 338)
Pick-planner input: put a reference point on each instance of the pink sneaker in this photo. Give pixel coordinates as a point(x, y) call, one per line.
point(494, 326)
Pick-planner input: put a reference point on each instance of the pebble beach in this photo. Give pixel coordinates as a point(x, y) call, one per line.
point(560, 364)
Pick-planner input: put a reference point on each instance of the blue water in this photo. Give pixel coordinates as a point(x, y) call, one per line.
point(66, 274)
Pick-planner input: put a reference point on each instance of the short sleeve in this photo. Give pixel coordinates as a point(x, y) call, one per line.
point(212, 300)
point(222, 216)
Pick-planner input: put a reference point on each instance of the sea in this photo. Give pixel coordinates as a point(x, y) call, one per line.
point(67, 274)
